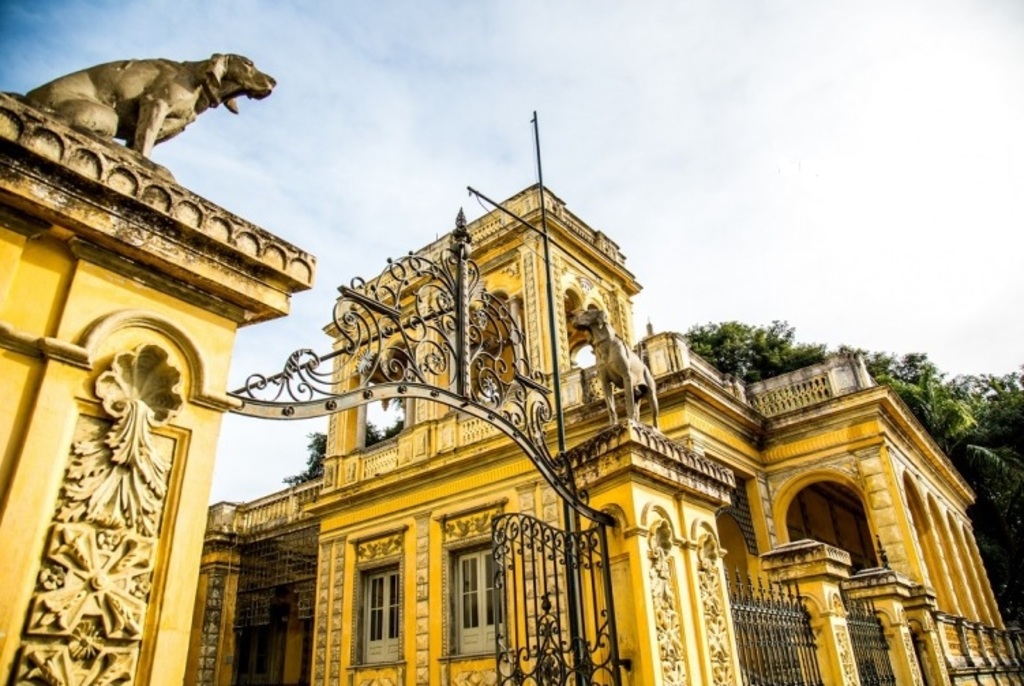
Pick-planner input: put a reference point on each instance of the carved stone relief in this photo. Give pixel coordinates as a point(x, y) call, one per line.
point(210, 635)
point(846, 656)
point(484, 677)
point(88, 610)
point(668, 628)
point(379, 547)
point(468, 526)
point(422, 599)
point(320, 623)
point(908, 646)
point(532, 305)
point(712, 597)
point(937, 656)
point(337, 607)
point(838, 608)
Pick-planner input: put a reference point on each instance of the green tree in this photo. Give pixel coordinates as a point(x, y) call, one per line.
point(992, 461)
point(753, 353)
point(316, 449)
point(376, 434)
point(944, 408)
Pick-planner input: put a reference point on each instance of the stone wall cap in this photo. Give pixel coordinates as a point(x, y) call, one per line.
point(694, 472)
point(805, 550)
point(134, 208)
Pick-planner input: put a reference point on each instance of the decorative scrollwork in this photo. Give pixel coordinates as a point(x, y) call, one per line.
point(668, 628)
point(425, 327)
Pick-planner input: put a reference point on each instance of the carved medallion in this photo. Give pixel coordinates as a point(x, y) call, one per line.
point(88, 610)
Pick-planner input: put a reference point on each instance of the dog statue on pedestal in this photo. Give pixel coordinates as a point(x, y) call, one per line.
point(145, 102)
point(618, 366)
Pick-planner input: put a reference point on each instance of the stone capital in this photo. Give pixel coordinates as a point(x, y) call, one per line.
point(631, 449)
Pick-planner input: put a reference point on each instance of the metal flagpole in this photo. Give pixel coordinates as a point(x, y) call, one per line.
point(572, 524)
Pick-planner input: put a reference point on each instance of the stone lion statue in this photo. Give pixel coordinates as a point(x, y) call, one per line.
point(145, 102)
point(618, 366)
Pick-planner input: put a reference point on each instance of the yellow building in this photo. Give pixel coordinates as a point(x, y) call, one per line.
point(819, 480)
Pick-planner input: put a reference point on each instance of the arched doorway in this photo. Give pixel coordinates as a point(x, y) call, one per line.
point(832, 513)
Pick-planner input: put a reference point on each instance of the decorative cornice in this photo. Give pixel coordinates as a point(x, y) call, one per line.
point(22, 223)
point(118, 199)
point(84, 250)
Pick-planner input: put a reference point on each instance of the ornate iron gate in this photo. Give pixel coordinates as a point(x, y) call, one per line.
point(870, 647)
point(537, 642)
point(773, 635)
point(426, 328)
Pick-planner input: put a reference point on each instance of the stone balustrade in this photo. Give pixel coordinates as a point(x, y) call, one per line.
point(380, 459)
point(274, 510)
point(975, 650)
point(838, 375)
point(666, 354)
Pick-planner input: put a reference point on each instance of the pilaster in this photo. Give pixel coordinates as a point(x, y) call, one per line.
point(920, 609)
point(212, 647)
point(888, 592)
point(818, 569)
point(666, 554)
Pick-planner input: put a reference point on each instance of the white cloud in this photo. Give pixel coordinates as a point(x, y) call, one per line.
point(854, 169)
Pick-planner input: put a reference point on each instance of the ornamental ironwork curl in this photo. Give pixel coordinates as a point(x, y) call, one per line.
point(425, 327)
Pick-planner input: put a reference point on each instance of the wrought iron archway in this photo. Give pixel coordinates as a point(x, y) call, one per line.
point(426, 328)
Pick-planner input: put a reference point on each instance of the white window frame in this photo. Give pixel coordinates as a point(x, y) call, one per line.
point(473, 601)
point(382, 615)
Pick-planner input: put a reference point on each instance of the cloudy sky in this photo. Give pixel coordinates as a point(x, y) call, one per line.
point(854, 168)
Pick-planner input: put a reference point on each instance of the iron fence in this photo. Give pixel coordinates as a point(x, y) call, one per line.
point(870, 647)
point(774, 638)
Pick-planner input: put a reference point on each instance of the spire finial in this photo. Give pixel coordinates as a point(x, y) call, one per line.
point(460, 234)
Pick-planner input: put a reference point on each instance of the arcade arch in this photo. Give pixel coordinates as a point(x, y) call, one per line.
point(832, 512)
point(738, 560)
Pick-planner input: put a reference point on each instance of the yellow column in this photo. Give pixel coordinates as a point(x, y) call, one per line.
point(120, 296)
point(672, 607)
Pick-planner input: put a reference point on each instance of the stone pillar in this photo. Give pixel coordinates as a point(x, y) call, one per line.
point(819, 569)
point(211, 656)
point(888, 590)
point(672, 606)
point(120, 296)
point(920, 609)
